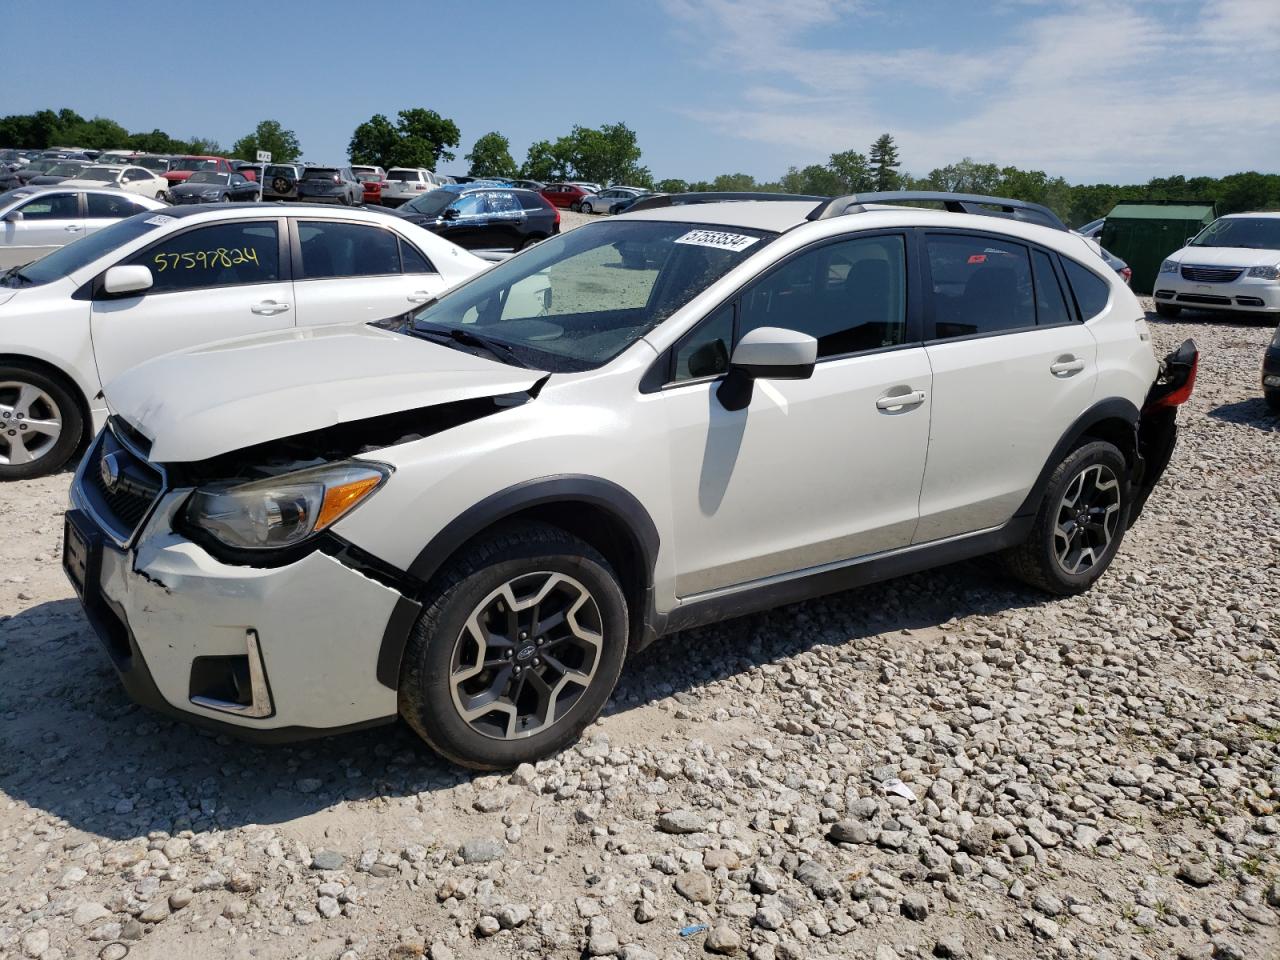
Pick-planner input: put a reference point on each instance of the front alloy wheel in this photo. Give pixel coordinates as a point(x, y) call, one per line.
point(30, 423)
point(517, 649)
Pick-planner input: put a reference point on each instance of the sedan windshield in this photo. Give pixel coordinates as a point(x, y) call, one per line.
point(1254, 233)
point(82, 252)
point(208, 176)
point(65, 169)
point(192, 163)
point(431, 204)
point(577, 300)
point(105, 174)
point(155, 164)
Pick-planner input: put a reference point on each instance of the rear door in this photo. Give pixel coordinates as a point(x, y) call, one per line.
point(349, 272)
point(209, 283)
point(1012, 369)
point(49, 221)
point(506, 220)
point(104, 209)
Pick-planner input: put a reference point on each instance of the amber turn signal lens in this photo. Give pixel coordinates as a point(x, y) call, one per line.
point(338, 500)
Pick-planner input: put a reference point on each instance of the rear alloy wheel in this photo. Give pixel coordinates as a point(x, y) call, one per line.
point(519, 651)
point(586, 208)
point(1080, 524)
point(40, 423)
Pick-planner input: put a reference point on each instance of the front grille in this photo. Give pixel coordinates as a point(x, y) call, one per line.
point(1204, 298)
point(120, 485)
point(1212, 274)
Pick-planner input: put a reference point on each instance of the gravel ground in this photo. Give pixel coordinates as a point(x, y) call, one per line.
point(1093, 777)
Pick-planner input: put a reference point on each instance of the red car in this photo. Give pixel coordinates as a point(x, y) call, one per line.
point(180, 168)
point(564, 194)
point(372, 187)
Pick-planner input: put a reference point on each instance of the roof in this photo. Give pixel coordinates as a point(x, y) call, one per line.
point(1160, 211)
point(1264, 214)
point(759, 215)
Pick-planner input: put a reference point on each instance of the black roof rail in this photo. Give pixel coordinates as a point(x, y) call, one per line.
point(955, 202)
point(653, 201)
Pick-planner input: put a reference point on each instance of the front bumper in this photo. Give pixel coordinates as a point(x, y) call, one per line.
point(1244, 295)
point(1271, 369)
point(171, 616)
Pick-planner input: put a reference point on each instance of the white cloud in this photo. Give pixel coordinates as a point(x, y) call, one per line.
point(1090, 90)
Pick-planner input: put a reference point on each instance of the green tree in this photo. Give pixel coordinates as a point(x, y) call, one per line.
point(672, 185)
point(606, 154)
point(545, 161)
point(201, 146)
point(269, 135)
point(742, 182)
point(814, 179)
point(96, 134)
point(885, 163)
point(157, 141)
point(419, 138)
point(490, 156)
point(967, 176)
point(853, 170)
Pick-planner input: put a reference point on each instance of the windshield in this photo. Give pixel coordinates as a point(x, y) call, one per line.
point(208, 176)
point(153, 163)
point(65, 169)
point(1254, 233)
point(320, 173)
point(192, 163)
point(577, 300)
point(40, 166)
point(105, 174)
point(431, 204)
point(397, 174)
point(82, 252)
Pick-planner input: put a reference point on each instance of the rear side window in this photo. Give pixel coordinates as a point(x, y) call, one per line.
point(413, 260)
point(1051, 305)
point(1091, 291)
point(979, 286)
point(531, 201)
point(219, 255)
point(347, 250)
point(502, 203)
point(115, 207)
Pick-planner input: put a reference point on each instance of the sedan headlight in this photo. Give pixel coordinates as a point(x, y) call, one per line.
point(283, 511)
point(1265, 273)
point(1169, 266)
point(211, 194)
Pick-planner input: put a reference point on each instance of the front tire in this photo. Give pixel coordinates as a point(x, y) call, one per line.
point(518, 651)
point(1168, 310)
point(586, 208)
point(40, 422)
point(1080, 524)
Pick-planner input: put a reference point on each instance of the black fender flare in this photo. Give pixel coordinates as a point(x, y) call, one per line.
point(566, 488)
point(1112, 408)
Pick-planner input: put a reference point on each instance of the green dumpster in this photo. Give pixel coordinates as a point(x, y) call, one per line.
point(1143, 233)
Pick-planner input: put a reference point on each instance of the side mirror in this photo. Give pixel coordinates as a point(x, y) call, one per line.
point(13, 216)
point(450, 214)
point(769, 353)
point(132, 279)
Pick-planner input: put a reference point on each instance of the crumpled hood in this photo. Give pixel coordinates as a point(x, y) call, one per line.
point(1227, 257)
point(222, 397)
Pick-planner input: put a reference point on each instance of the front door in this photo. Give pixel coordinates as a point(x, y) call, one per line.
point(1012, 369)
point(815, 471)
point(210, 283)
point(49, 221)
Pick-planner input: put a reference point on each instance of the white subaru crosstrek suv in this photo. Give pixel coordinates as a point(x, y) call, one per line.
point(182, 276)
point(471, 519)
point(1232, 264)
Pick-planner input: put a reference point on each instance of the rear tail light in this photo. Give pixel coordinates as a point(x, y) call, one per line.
point(1177, 378)
point(1127, 275)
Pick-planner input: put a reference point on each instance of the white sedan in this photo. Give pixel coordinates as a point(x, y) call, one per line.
point(137, 180)
point(156, 282)
point(37, 220)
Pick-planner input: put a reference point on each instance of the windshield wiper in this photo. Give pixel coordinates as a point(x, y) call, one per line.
point(496, 348)
point(14, 273)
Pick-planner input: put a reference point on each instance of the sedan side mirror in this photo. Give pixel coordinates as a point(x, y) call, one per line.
point(131, 279)
point(13, 216)
point(451, 214)
point(770, 353)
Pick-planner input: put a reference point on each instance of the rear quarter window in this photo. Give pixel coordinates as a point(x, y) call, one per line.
point(1090, 290)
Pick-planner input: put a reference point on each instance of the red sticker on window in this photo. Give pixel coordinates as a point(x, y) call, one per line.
point(978, 258)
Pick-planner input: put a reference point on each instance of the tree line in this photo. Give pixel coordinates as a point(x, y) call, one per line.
point(610, 153)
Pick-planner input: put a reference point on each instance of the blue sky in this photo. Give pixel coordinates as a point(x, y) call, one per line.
point(1094, 91)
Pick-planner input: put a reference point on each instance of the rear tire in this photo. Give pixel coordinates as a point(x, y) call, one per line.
point(1080, 524)
point(554, 622)
point(29, 394)
point(1168, 310)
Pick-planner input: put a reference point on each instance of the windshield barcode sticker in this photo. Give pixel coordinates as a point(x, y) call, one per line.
point(718, 239)
point(159, 220)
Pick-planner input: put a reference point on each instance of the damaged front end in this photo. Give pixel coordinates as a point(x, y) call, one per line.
point(1157, 422)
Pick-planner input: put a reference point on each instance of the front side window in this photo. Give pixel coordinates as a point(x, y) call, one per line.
point(578, 299)
point(980, 285)
point(347, 250)
point(850, 296)
point(705, 351)
point(469, 205)
point(219, 255)
point(57, 206)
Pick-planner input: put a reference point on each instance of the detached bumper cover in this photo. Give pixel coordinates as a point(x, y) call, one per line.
point(165, 602)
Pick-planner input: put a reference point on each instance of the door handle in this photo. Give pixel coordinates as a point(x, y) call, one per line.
point(419, 296)
point(1066, 366)
point(895, 401)
point(269, 308)
point(73, 229)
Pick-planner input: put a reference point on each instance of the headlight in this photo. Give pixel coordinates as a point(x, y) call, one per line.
point(283, 511)
point(211, 194)
point(1169, 266)
point(1265, 273)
